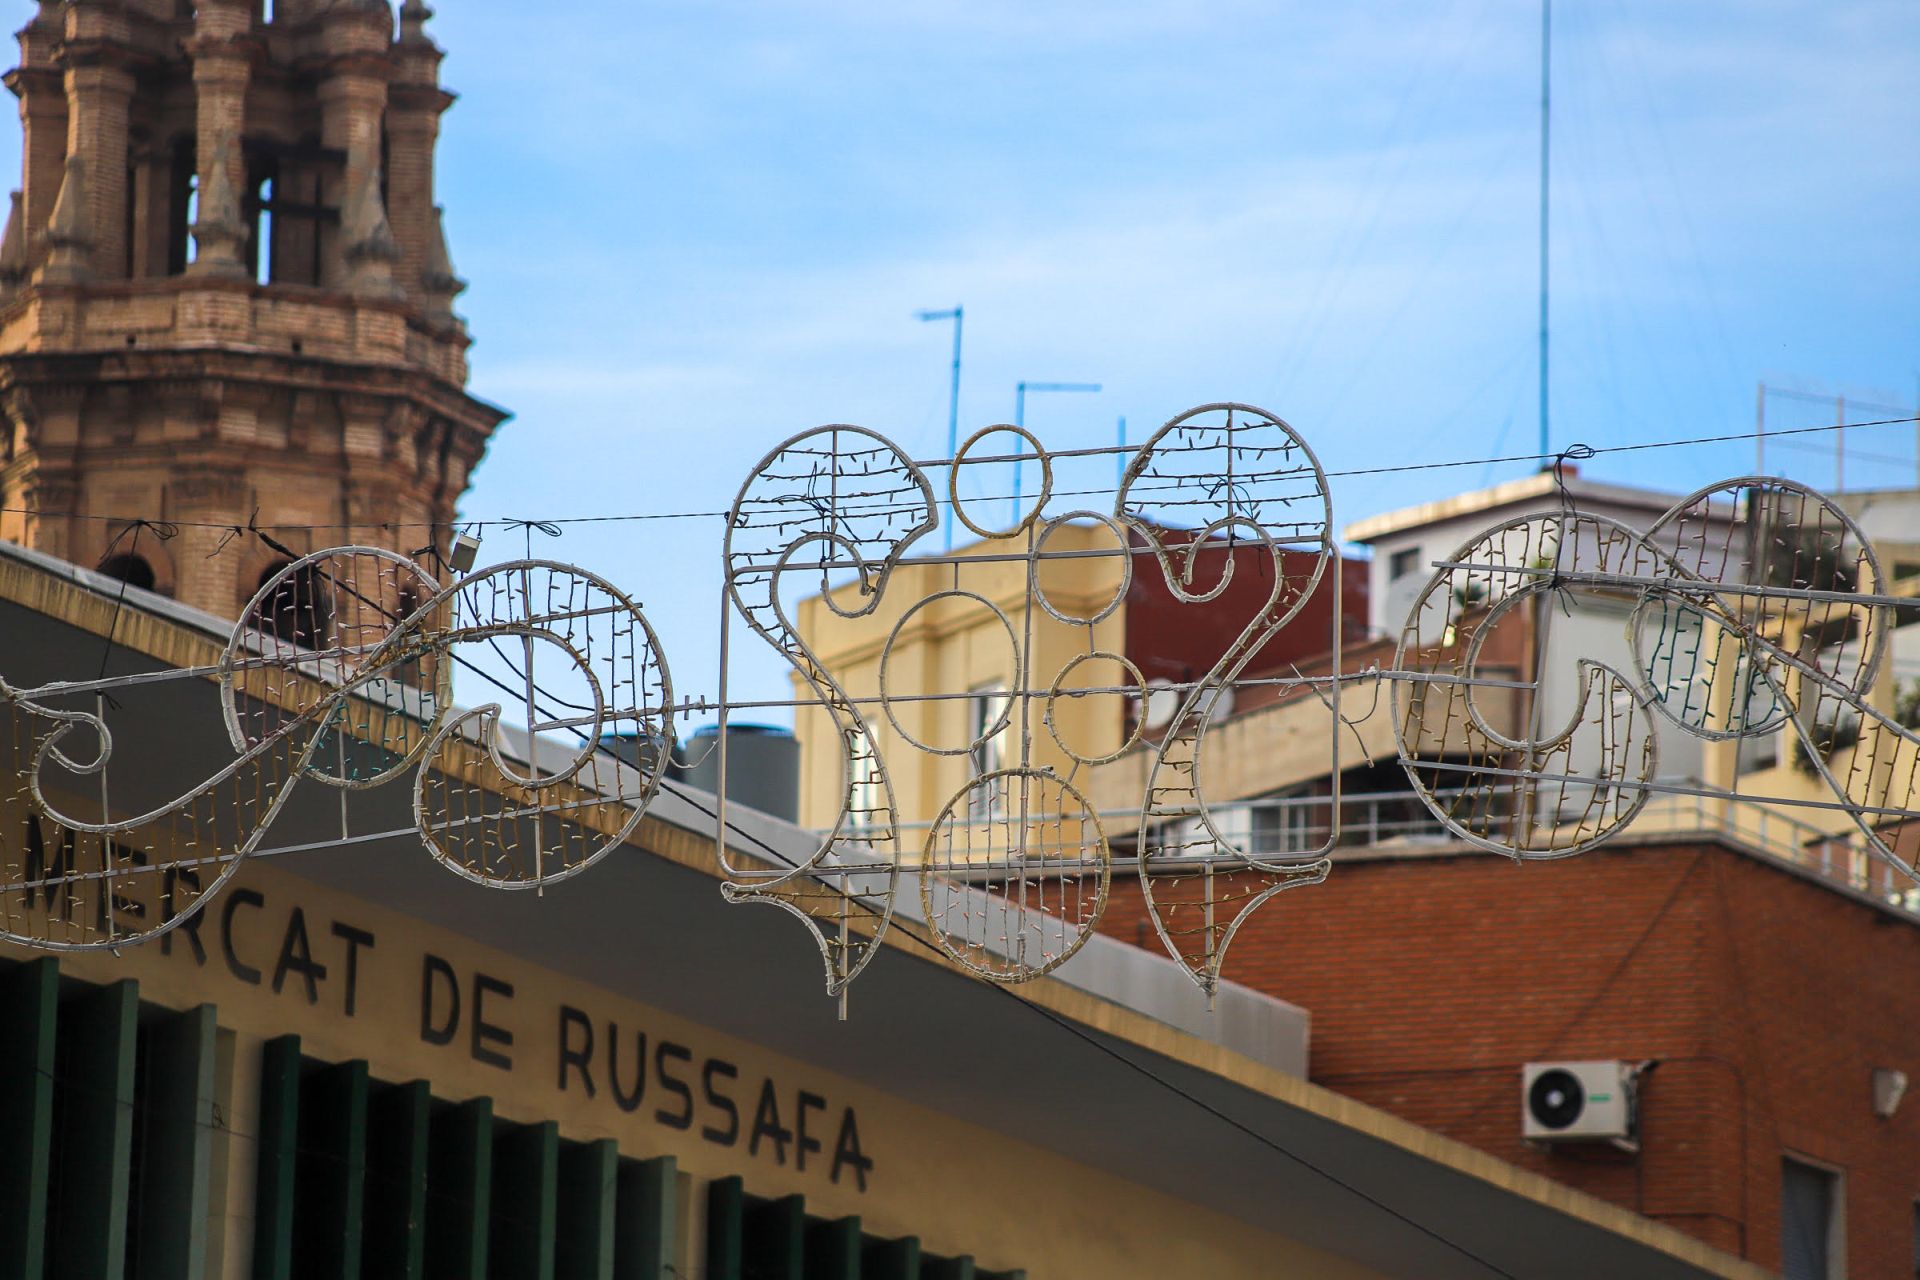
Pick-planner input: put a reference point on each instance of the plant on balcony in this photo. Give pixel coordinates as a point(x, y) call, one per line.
point(1906, 703)
point(1470, 594)
point(1830, 737)
point(1808, 558)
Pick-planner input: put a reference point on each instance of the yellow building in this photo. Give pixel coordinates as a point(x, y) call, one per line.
point(1071, 654)
point(975, 627)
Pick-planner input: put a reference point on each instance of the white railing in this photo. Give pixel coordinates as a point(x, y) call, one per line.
point(1840, 857)
point(1283, 826)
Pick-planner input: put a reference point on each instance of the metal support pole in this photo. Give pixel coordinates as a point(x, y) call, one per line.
point(958, 315)
point(1546, 155)
point(1020, 390)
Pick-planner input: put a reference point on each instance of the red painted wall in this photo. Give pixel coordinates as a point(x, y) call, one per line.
point(1171, 640)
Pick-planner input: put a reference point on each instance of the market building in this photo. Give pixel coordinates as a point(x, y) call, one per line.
point(351, 1061)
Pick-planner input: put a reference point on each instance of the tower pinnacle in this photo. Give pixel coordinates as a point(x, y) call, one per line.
point(226, 291)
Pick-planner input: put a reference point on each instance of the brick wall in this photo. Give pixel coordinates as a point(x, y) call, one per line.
point(1764, 999)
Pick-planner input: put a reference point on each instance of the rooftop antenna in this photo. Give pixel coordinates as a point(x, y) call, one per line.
point(958, 315)
point(1020, 390)
point(1546, 154)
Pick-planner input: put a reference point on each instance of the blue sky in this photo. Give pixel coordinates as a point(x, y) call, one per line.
point(693, 229)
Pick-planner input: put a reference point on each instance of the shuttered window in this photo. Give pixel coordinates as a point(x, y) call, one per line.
point(107, 1130)
point(751, 1238)
point(376, 1179)
point(110, 1136)
point(1809, 1220)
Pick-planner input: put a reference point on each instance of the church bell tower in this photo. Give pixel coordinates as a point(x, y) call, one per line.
point(225, 290)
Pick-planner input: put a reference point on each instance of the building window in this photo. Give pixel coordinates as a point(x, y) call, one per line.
point(1758, 751)
point(182, 192)
point(291, 208)
point(130, 569)
point(257, 208)
point(1402, 563)
point(867, 807)
point(1810, 1222)
point(987, 724)
point(1283, 824)
point(298, 611)
point(987, 728)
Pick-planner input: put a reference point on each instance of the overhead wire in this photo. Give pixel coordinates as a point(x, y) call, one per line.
point(1312, 320)
point(558, 522)
point(1586, 126)
point(1132, 1064)
point(1631, 29)
point(1432, 262)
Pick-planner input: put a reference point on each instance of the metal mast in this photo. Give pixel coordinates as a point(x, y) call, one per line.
point(1546, 156)
point(958, 315)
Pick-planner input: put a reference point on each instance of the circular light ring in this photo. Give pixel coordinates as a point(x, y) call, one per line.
point(1040, 502)
point(1048, 905)
point(1056, 691)
point(1126, 572)
point(1013, 647)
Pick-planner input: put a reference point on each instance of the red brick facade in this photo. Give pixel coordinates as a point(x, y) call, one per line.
point(1765, 1000)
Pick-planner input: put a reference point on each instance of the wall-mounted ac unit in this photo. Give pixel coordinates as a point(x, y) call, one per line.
point(1579, 1102)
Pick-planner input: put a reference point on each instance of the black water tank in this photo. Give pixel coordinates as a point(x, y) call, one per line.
point(640, 750)
point(763, 766)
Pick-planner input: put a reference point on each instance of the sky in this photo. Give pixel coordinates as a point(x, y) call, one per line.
point(693, 229)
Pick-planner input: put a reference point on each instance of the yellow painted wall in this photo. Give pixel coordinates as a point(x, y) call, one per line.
point(959, 1187)
point(1881, 770)
point(955, 644)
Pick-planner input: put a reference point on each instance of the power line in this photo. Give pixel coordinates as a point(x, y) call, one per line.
point(504, 522)
point(1140, 1068)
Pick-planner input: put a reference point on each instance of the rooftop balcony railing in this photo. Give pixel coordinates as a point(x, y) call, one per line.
point(1397, 822)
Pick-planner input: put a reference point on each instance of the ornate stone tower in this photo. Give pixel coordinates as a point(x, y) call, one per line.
point(224, 288)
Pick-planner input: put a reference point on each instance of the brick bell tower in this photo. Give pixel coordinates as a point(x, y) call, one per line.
point(224, 287)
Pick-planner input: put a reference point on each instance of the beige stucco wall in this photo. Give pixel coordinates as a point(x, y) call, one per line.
point(954, 644)
point(959, 1187)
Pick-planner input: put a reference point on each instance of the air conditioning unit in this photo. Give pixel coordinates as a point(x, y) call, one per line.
point(1579, 1102)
